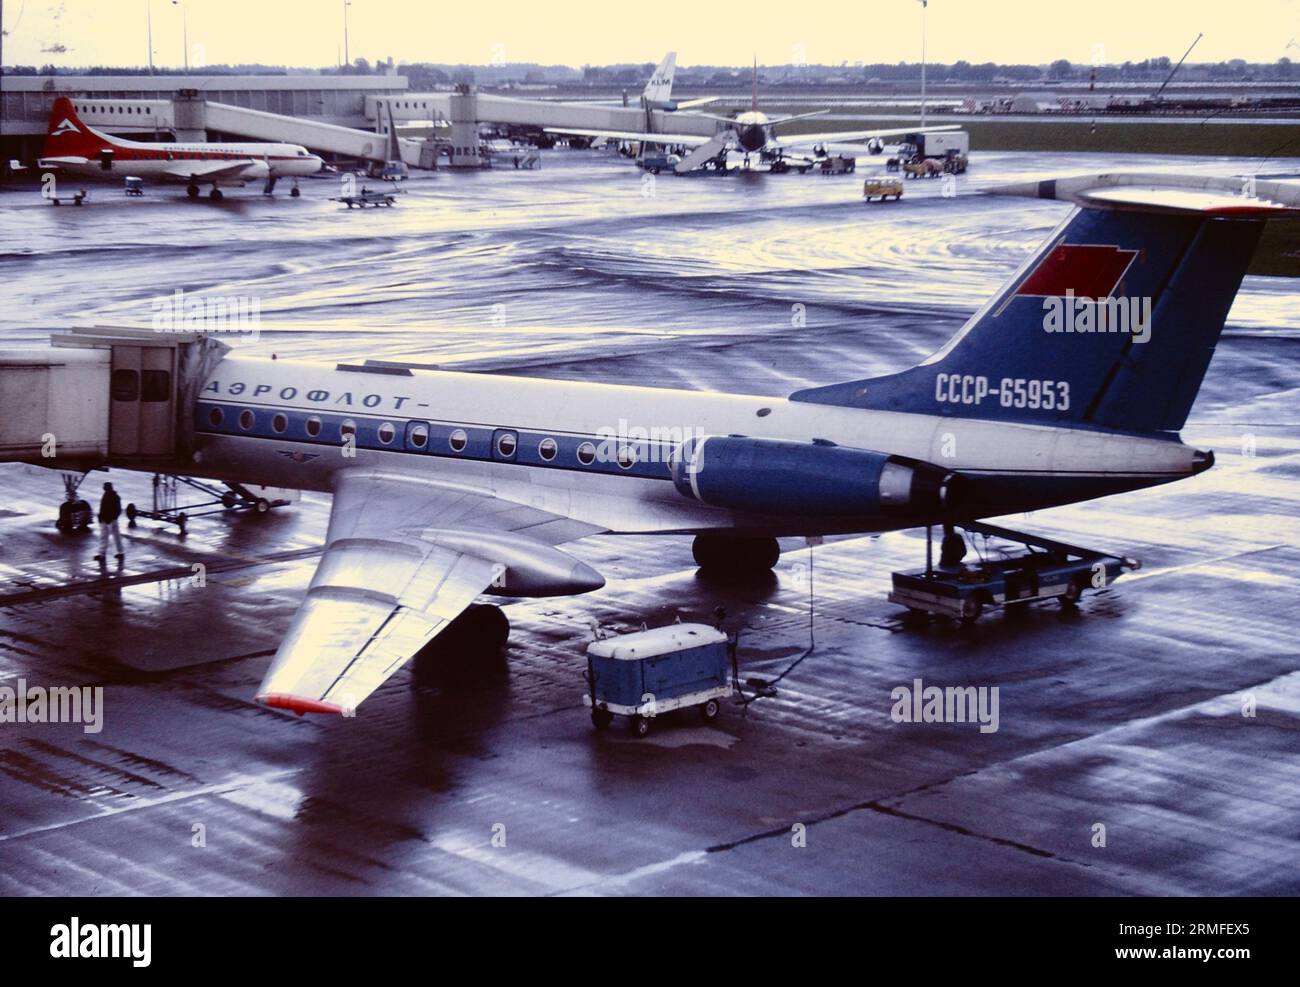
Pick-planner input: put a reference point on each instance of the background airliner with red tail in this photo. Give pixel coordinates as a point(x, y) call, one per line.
point(73, 147)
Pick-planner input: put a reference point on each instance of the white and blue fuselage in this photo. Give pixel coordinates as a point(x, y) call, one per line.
point(602, 454)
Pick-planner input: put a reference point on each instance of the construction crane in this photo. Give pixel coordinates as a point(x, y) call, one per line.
point(1175, 69)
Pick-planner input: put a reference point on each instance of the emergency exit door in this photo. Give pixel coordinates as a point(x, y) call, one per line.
point(142, 416)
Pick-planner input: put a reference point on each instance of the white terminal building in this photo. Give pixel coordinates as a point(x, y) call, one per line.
point(343, 116)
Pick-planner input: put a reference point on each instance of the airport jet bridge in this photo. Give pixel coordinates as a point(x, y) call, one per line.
point(120, 396)
point(98, 394)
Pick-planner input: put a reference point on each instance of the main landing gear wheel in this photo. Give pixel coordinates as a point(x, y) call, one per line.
point(294, 192)
point(469, 651)
point(731, 555)
point(215, 195)
point(192, 191)
point(74, 515)
point(482, 627)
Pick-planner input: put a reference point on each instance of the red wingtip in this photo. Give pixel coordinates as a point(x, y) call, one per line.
point(1252, 209)
point(300, 705)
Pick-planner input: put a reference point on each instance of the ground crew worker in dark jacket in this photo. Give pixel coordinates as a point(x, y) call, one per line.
point(110, 509)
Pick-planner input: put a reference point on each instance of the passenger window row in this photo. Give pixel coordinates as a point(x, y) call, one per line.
point(419, 437)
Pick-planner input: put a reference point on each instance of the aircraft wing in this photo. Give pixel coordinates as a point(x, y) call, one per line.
point(404, 556)
point(687, 140)
point(689, 104)
point(846, 136)
point(208, 170)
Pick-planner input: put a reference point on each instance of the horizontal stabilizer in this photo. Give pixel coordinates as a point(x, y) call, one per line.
point(690, 104)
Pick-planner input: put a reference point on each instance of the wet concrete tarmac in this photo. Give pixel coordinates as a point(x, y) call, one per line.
point(1127, 714)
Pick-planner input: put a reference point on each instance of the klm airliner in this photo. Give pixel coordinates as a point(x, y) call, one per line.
point(447, 486)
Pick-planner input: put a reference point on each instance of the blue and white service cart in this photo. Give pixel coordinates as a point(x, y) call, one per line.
point(651, 672)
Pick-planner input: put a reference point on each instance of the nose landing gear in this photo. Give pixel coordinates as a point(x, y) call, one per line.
point(75, 514)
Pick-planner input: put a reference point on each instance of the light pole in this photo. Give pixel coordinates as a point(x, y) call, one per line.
point(148, 9)
point(185, 32)
point(924, 5)
point(347, 58)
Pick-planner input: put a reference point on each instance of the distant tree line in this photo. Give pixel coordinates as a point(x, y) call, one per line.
point(423, 75)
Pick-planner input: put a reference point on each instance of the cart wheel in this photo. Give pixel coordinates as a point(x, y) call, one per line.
point(971, 609)
point(639, 726)
point(262, 506)
point(601, 718)
point(1070, 597)
point(131, 513)
point(709, 710)
point(181, 520)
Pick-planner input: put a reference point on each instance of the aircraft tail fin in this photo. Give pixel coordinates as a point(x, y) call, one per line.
point(660, 87)
point(67, 136)
point(1111, 323)
point(753, 92)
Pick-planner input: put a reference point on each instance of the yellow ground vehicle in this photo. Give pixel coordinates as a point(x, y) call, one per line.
point(883, 187)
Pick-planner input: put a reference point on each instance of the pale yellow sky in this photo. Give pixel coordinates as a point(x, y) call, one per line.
point(574, 32)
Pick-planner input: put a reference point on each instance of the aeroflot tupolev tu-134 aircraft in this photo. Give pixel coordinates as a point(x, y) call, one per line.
point(450, 485)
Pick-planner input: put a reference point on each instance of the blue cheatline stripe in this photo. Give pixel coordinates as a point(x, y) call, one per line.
point(651, 457)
